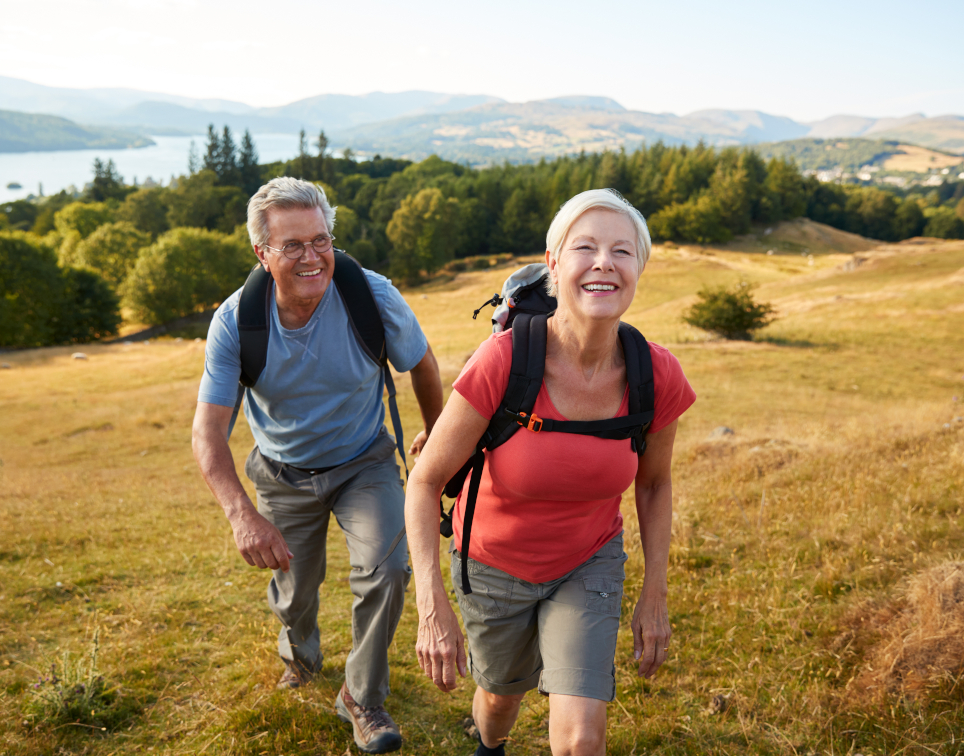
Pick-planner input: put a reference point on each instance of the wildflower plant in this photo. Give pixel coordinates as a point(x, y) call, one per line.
point(75, 693)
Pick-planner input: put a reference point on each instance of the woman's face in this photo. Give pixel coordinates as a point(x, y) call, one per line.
point(597, 269)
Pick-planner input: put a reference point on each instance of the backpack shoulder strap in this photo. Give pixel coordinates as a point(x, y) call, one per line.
point(359, 300)
point(253, 324)
point(639, 376)
point(366, 323)
point(529, 335)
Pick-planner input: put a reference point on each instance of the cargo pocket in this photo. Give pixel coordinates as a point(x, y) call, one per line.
point(491, 589)
point(604, 594)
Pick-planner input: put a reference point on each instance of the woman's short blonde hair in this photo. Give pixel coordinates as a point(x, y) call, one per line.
point(284, 193)
point(605, 199)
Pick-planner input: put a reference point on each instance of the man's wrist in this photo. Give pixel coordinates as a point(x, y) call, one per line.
point(239, 508)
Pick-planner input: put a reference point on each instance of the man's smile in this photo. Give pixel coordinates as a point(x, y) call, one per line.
point(309, 273)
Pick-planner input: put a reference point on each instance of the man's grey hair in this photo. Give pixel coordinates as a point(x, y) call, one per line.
point(606, 199)
point(284, 193)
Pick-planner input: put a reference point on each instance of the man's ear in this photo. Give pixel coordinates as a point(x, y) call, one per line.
point(261, 258)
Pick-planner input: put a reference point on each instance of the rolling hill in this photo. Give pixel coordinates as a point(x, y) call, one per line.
point(29, 132)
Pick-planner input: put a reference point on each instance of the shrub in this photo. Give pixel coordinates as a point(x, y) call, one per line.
point(111, 250)
point(185, 269)
point(42, 304)
point(30, 290)
point(89, 308)
point(730, 313)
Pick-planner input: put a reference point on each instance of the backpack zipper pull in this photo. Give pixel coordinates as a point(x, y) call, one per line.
point(495, 302)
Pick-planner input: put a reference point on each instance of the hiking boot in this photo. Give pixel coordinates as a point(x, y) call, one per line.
point(375, 731)
point(295, 676)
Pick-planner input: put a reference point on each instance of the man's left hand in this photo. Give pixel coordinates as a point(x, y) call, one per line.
point(418, 443)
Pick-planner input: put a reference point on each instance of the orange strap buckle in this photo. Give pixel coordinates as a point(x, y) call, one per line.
point(532, 422)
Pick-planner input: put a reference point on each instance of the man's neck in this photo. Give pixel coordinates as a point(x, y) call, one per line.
point(294, 313)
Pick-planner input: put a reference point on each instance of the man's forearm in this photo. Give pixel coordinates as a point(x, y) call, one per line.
point(427, 385)
point(214, 458)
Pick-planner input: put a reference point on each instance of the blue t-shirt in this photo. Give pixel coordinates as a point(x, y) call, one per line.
point(318, 402)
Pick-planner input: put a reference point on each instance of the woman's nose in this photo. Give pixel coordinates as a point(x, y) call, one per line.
point(604, 260)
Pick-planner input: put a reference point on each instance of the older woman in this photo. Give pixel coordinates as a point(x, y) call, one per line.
point(546, 555)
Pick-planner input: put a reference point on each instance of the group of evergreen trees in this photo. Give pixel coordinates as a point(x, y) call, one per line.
point(167, 251)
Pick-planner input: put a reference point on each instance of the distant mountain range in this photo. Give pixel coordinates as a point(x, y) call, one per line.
point(474, 128)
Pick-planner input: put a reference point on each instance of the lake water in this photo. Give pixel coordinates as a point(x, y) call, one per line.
point(59, 170)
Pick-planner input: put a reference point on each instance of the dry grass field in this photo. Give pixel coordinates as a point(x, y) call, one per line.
point(815, 588)
point(921, 160)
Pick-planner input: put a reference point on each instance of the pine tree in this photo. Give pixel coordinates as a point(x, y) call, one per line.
point(250, 173)
point(212, 151)
point(303, 159)
point(228, 174)
point(193, 159)
point(323, 165)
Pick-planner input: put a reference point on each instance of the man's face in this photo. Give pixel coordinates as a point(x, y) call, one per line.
point(302, 281)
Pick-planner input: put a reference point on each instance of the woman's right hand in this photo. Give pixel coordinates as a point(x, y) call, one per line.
point(440, 647)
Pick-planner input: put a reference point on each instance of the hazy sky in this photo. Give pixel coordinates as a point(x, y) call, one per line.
point(804, 60)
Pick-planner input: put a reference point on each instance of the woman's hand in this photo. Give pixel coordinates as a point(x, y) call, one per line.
point(651, 631)
point(440, 647)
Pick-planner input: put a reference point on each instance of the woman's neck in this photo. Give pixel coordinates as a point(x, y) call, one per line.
point(592, 345)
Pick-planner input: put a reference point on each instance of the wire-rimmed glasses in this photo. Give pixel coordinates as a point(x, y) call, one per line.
point(295, 250)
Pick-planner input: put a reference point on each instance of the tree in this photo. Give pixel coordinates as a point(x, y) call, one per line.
point(304, 161)
point(730, 313)
point(41, 304)
point(147, 210)
point(423, 232)
point(89, 308)
point(193, 160)
point(107, 183)
point(944, 224)
point(30, 289)
point(82, 218)
point(249, 172)
point(323, 170)
point(228, 173)
point(111, 251)
point(184, 270)
point(212, 151)
point(199, 203)
point(909, 219)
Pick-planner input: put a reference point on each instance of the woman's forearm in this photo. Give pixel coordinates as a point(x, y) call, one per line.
point(654, 508)
point(422, 527)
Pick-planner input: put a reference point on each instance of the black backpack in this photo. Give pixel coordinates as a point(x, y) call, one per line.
point(530, 309)
point(366, 323)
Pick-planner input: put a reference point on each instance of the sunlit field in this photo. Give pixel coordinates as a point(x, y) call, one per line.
point(814, 594)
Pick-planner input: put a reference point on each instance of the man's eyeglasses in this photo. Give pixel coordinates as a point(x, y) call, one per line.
point(294, 250)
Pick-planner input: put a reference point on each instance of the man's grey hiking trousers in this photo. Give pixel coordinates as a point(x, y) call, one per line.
point(368, 501)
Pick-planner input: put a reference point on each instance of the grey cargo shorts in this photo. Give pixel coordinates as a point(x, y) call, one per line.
point(559, 636)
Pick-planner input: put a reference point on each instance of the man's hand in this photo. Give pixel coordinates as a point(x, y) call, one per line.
point(260, 543)
point(416, 448)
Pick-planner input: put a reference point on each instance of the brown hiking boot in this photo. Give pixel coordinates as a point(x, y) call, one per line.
point(295, 676)
point(375, 731)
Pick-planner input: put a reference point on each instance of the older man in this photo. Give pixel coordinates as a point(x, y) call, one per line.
point(317, 417)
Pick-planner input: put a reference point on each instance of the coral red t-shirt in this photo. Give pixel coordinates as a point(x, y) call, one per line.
point(548, 501)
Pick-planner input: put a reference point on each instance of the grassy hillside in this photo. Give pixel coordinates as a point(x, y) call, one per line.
point(888, 157)
point(33, 132)
point(801, 586)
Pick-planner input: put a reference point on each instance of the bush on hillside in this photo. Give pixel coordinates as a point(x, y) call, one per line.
point(730, 313)
point(111, 251)
point(89, 308)
point(943, 223)
point(42, 304)
point(184, 270)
